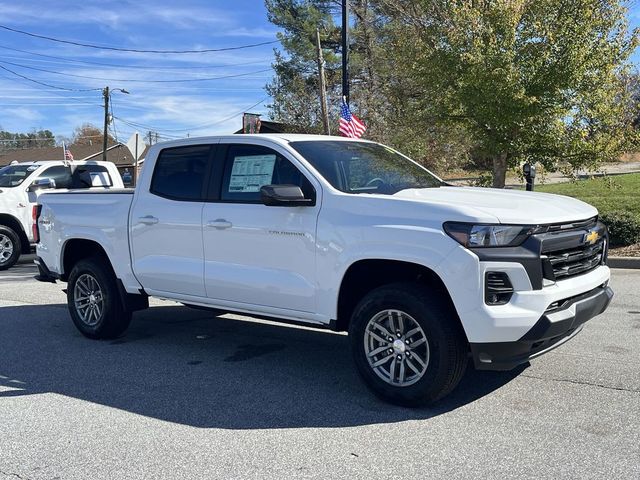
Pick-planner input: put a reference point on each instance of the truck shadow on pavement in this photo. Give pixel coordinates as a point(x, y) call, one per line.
point(190, 367)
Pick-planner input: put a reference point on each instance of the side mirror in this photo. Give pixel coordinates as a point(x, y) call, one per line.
point(42, 184)
point(284, 196)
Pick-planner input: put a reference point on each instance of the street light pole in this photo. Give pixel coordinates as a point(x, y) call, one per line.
point(105, 94)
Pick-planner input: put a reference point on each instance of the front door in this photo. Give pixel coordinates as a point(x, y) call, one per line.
point(257, 255)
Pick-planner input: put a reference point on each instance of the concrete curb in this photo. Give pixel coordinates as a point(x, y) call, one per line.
point(623, 262)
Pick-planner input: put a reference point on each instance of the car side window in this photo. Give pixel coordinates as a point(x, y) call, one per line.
point(87, 176)
point(249, 167)
point(60, 174)
point(179, 172)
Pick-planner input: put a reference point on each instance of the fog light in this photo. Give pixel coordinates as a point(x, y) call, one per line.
point(497, 288)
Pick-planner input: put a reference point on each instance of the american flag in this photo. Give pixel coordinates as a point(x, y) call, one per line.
point(67, 153)
point(350, 125)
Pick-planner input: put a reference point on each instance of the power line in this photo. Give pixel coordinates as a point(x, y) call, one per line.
point(196, 127)
point(57, 94)
point(48, 84)
point(116, 65)
point(120, 49)
point(134, 80)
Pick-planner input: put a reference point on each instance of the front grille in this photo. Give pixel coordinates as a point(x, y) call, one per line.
point(573, 261)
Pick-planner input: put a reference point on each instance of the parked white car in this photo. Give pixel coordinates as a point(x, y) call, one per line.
point(20, 185)
point(335, 233)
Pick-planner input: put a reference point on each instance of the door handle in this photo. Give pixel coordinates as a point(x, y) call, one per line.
point(148, 220)
point(220, 224)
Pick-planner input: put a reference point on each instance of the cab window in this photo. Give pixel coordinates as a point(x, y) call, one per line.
point(180, 172)
point(59, 174)
point(249, 167)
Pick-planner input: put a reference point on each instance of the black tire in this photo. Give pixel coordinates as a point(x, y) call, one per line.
point(109, 319)
point(444, 346)
point(10, 247)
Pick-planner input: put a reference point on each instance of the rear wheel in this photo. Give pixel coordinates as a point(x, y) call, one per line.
point(407, 344)
point(94, 301)
point(10, 247)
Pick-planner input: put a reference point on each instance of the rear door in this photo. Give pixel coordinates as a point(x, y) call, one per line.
point(166, 222)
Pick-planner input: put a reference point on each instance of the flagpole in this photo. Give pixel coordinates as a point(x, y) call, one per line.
point(345, 50)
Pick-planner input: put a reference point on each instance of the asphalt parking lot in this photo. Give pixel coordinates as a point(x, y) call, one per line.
point(188, 395)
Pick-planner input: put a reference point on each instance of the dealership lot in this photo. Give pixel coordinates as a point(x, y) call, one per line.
point(188, 395)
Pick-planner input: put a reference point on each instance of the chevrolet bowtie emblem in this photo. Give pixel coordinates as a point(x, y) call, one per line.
point(591, 237)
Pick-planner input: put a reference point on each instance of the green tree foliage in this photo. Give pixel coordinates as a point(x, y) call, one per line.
point(529, 80)
point(503, 80)
point(295, 86)
point(33, 139)
point(382, 98)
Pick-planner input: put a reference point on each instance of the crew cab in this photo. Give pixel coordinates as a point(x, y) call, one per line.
point(335, 233)
point(20, 185)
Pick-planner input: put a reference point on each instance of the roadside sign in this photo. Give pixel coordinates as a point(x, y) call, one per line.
point(136, 145)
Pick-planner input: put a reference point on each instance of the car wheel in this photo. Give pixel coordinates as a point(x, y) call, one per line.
point(10, 247)
point(407, 344)
point(94, 301)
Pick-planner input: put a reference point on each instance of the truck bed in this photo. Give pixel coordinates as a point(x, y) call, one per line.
point(98, 216)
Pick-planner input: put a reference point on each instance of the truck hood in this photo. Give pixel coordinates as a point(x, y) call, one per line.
point(507, 206)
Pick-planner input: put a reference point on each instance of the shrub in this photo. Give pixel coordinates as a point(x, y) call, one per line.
point(624, 228)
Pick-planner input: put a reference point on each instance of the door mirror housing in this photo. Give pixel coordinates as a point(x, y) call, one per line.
point(42, 184)
point(284, 196)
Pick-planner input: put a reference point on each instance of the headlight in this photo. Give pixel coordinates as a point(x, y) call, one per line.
point(472, 235)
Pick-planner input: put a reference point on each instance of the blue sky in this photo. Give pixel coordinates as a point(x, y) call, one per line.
point(174, 109)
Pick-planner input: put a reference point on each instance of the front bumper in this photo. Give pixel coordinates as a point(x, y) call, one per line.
point(554, 328)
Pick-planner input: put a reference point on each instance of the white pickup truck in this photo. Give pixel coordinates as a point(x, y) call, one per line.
point(20, 185)
point(343, 234)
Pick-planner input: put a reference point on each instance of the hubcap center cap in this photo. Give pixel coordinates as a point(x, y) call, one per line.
point(399, 346)
point(92, 299)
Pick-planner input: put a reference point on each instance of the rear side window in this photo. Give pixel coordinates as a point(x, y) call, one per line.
point(179, 172)
point(87, 176)
point(60, 174)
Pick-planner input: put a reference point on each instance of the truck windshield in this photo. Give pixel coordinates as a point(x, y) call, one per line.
point(362, 167)
point(14, 175)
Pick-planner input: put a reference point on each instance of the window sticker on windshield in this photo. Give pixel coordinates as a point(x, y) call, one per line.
point(32, 168)
point(251, 172)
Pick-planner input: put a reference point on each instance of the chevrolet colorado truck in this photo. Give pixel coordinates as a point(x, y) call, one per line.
point(20, 185)
point(336, 233)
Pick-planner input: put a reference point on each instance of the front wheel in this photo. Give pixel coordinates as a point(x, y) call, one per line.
point(94, 301)
point(407, 344)
point(10, 247)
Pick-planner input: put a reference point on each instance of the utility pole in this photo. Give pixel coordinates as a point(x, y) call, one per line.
point(105, 94)
point(323, 88)
point(345, 50)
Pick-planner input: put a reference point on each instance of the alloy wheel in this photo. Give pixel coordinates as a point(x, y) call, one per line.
point(396, 348)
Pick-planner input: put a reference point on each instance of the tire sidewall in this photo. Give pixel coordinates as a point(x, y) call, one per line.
point(109, 294)
point(430, 318)
point(17, 247)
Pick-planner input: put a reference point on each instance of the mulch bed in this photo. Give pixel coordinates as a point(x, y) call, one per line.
point(630, 251)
